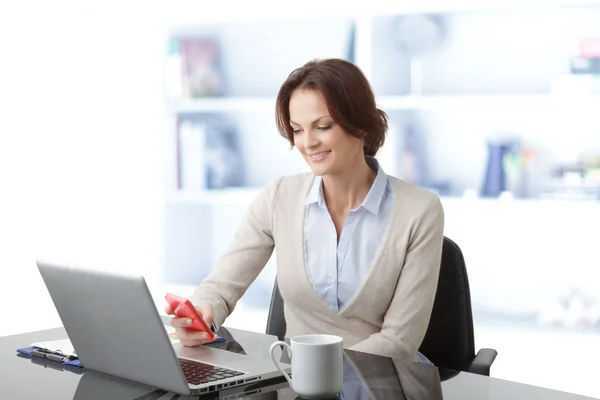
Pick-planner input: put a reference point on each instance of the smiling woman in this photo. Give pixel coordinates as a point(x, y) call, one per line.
point(340, 91)
point(358, 251)
point(316, 135)
point(326, 109)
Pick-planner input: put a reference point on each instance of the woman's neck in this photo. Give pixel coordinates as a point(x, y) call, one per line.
point(346, 191)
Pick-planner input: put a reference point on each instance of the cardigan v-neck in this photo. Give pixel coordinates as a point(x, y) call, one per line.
point(390, 311)
point(372, 267)
point(337, 268)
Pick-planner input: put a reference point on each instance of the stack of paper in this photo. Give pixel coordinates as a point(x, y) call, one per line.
point(65, 347)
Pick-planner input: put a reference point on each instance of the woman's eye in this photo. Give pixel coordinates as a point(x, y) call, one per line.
point(324, 128)
point(295, 131)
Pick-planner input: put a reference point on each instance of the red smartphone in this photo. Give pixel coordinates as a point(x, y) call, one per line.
point(183, 308)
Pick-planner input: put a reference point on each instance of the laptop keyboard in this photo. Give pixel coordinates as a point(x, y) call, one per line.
point(198, 373)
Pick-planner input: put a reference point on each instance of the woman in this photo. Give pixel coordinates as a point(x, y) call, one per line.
point(358, 251)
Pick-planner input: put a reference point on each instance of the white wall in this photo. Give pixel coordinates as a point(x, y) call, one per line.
point(80, 137)
point(508, 52)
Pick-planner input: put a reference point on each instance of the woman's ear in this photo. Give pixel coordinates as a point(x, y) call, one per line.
point(360, 135)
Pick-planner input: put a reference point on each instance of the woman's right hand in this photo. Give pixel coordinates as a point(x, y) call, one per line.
point(187, 337)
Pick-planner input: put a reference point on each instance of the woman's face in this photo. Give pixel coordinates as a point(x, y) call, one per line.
point(325, 146)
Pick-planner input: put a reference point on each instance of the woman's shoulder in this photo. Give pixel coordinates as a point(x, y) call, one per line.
point(412, 197)
point(405, 188)
point(288, 187)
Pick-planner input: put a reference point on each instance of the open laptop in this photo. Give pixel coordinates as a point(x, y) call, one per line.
point(115, 328)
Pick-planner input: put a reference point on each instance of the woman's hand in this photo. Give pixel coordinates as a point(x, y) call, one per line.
point(187, 337)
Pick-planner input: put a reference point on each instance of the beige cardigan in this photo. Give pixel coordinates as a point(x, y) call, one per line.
point(389, 313)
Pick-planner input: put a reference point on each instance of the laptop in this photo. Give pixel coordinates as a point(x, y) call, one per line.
point(115, 328)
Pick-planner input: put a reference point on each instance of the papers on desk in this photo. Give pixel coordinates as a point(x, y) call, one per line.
point(58, 351)
point(65, 347)
point(175, 339)
point(63, 352)
point(171, 333)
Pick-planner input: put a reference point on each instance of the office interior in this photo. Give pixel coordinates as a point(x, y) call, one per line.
point(134, 135)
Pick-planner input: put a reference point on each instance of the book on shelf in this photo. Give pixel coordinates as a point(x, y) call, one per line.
point(582, 65)
point(583, 77)
point(194, 68)
point(209, 154)
point(191, 161)
point(589, 48)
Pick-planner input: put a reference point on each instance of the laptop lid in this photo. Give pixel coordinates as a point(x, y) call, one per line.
point(114, 326)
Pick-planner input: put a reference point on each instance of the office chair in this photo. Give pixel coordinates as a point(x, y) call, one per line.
point(449, 341)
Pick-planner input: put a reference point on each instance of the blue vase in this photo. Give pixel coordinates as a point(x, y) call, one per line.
point(495, 176)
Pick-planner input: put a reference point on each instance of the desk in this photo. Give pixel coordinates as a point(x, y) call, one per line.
point(366, 377)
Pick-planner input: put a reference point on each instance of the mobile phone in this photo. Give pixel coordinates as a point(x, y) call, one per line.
point(183, 308)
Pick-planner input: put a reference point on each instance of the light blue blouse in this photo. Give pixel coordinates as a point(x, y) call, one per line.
point(338, 269)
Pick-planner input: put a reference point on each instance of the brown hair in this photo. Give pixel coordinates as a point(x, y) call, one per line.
point(350, 100)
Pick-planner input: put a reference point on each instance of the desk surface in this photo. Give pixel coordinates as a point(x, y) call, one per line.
point(365, 377)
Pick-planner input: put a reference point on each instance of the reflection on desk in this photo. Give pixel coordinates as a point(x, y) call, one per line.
point(385, 378)
point(363, 380)
point(52, 365)
point(366, 377)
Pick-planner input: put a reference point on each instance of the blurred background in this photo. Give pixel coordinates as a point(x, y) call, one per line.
point(133, 136)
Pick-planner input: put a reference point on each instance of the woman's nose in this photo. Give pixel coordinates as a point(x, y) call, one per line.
point(310, 140)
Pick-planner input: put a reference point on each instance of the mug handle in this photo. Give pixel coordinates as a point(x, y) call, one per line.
point(276, 362)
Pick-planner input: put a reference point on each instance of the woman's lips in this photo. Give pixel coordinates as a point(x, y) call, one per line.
point(315, 157)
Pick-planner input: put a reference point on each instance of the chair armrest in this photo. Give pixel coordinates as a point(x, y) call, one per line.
point(482, 362)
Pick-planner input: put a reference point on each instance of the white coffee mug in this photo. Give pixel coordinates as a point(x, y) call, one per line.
point(317, 365)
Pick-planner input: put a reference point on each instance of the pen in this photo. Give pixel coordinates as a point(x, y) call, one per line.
point(44, 353)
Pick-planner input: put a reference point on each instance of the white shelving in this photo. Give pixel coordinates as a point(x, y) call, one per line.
point(381, 7)
point(186, 12)
point(223, 104)
point(215, 196)
point(498, 102)
point(503, 84)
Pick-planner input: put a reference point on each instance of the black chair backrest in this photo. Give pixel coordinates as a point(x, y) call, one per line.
point(449, 341)
point(276, 324)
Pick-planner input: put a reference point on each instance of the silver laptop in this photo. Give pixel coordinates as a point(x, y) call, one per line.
point(115, 328)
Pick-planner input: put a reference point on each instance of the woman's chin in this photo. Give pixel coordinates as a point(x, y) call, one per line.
point(318, 170)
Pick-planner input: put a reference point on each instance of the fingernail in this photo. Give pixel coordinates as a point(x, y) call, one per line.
point(188, 321)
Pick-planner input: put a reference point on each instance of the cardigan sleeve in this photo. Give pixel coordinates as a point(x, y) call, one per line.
point(407, 318)
point(243, 259)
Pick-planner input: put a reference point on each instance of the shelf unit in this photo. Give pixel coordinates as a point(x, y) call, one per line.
point(282, 40)
point(410, 102)
point(374, 50)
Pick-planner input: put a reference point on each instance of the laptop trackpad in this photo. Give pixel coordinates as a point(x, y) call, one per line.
point(209, 355)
